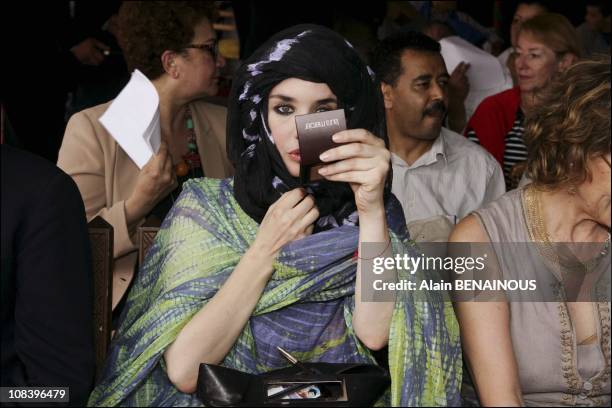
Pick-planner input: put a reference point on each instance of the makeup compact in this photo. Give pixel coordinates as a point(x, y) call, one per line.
point(315, 133)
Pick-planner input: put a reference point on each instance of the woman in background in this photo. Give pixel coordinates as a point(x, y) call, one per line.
point(524, 11)
point(547, 44)
point(174, 45)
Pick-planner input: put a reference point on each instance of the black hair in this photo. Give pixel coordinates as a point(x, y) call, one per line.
point(386, 59)
point(542, 3)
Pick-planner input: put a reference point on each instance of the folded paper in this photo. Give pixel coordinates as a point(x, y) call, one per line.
point(132, 119)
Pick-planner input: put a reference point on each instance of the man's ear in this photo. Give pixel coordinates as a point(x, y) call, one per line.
point(387, 91)
point(567, 60)
point(168, 60)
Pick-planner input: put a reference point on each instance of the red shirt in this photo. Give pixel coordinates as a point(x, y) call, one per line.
point(493, 119)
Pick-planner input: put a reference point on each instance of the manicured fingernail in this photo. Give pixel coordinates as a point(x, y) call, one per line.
point(336, 137)
point(324, 156)
point(323, 171)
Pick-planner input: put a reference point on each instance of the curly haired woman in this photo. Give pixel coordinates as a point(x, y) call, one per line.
point(553, 352)
point(173, 44)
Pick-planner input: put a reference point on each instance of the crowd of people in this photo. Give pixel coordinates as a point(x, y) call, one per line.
point(249, 257)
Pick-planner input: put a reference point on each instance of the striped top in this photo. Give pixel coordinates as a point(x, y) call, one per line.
point(515, 150)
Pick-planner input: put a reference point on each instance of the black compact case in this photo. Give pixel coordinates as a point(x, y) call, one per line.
point(315, 133)
point(339, 385)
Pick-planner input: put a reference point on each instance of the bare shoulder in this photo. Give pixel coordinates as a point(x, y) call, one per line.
point(469, 229)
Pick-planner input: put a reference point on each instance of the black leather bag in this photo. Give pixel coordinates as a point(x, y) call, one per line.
point(312, 384)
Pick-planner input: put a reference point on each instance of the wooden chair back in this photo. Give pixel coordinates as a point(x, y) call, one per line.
point(101, 239)
point(146, 235)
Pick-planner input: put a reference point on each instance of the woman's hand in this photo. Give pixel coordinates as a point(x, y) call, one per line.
point(291, 217)
point(213, 331)
point(155, 181)
point(363, 162)
point(90, 51)
point(458, 83)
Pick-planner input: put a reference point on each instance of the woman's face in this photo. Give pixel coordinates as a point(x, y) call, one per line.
point(287, 99)
point(596, 191)
point(535, 63)
point(199, 66)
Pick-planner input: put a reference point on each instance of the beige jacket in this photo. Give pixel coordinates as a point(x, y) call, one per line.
point(106, 175)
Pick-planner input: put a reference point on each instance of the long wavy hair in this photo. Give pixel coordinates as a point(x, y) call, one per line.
point(570, 126)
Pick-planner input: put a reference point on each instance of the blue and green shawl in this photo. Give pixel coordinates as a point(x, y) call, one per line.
point(306, 307)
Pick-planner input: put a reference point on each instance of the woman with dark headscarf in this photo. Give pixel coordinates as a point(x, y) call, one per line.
point(243, 265)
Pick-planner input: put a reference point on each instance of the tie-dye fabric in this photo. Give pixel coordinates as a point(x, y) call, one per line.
point(306, 307)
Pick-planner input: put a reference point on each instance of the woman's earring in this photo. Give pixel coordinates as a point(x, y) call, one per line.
point(571, 190)
point(173, 72)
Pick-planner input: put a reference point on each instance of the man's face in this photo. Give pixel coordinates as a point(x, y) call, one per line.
point(523, 12)
point(418, 102)
point(594, 18)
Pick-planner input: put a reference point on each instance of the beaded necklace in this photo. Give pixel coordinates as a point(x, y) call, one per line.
point(191, 159)
point(562, 268)
point(190, 166)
